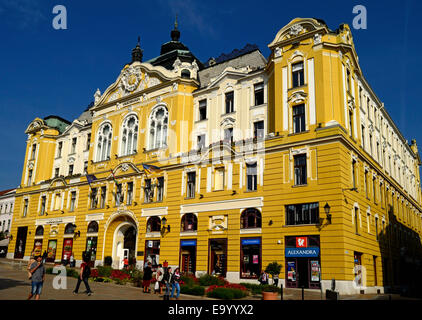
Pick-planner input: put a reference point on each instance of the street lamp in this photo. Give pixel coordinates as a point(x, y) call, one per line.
point(163, 222)
point(327, 212)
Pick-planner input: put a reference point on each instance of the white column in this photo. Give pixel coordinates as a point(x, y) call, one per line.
point(311, 90)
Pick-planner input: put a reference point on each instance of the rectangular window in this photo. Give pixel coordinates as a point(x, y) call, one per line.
point(43, 205)
point(354, 173)
point(34, 149)
point(147, 191)
point(381, 195)
point(119, 195)
point(298, 75)
point(88, 141)
point(370, 144)
point(85, 166)
point(375, 271)
point(160, 188)
point(72, 201)
point(363, 137)
point(351, 122)
point(299, 118)
point(190, 191)
point(376, 227)
point(103, 196)
point(70, 169)
point(73, 150)
point(250, 258)
point(348, 80)
point(219, 179)
point(300, 169)
point(259, 93)
point(29, 177)
point(94, 198)
point(374, 187)
point(25, 207)
point(56, 172)
point(228, 135)
point(230, 102)
point(251, 173)
point(57, 201)
point(356, 221)
point(366, 185)
point(258, 130)
point(201, 141)
point(203, 109)
point(298, 214)
point(59, 149)
point(129, 193)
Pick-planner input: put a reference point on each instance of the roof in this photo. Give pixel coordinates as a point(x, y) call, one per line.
point(3, 192)
point(56, 122)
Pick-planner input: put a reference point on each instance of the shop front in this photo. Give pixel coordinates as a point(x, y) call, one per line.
point(217, 257)
point(250, 258)
point(152, 253)
point(91, 250)
point(303, 263)
point(51, 251)
point(67, 250)
point(188, 256)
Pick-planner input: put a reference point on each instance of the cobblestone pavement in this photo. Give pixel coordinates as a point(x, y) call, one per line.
point(14, 285)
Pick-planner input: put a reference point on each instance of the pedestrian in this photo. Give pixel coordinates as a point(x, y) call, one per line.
point(38, 277)
point(147, 278)
point(44, 256)
point(266, 278)
point(166, 280)
point(125, 263)
point(30, 262)
point(275, 280)
point(175, 279)
point(84, 274)
point(159, 279)
point(72, 261)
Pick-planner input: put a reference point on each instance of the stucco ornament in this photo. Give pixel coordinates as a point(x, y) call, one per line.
point(131, 78)
point(317, 38)
point(125, 167)
point(296, 29)
point(277, 52)
point(97, 96)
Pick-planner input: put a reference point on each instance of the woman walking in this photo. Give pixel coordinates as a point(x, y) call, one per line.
point(166, 280)
point(147, 278)
point(175, 279)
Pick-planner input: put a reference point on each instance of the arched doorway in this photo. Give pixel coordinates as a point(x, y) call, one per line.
point(124, 244)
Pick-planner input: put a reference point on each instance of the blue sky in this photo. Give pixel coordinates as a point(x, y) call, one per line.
point(44, 71)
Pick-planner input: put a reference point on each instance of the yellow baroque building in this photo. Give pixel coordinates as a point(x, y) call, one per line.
point(227, 166)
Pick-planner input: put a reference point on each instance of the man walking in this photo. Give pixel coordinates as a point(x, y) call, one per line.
point(37, 270)
point(84, 274)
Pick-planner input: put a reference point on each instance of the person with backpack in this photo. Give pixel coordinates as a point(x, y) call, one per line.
point(175, 279)
point(84, 274)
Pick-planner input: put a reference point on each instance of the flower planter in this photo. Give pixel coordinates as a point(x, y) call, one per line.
point(269, 295)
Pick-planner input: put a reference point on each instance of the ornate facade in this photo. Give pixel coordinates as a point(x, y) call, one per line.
point(228, 166)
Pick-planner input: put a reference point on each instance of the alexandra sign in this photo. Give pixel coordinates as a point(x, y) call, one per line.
point(302, 252)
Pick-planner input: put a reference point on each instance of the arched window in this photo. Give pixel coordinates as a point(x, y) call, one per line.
point(185, 73)
point(129, 135)
point(250, 218)
point(158, 124)
point(104, 142)
point(93, 227)
point(189, 222)
point(39, 231)
point(69, 229)
point(154, 224)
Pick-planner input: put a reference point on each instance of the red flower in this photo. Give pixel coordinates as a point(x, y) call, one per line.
point(94, 273)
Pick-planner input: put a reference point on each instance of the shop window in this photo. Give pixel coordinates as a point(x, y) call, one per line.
point(189, 222)
point(154, 224)
point(69, 229)
point(39, 231)
point(250, 258)
point(250, 218)
point(298, 214)
point(259, 93)
point(92, 227)
point(152, 252)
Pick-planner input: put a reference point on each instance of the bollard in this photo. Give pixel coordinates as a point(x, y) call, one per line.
point(281, 292)
point(303, 293)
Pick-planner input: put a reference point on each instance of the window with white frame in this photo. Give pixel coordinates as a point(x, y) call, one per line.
point(219, 178)
point(298, 75)
point(104, 137)
point(299, 118)
point(73, 148)
point(158, 124)
point(129, 135)
point(251, 177)
point(72, 201)
point(229, 98)
point(43, 205)
point(202, 110)
point(201, 141)
point(190, 190)
point(25, 207)
point(259, 93)
point(300, 169)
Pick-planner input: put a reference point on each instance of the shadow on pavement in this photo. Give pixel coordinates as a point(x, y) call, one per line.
point(10, 283)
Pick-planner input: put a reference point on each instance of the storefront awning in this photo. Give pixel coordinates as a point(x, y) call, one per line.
point(4, 243)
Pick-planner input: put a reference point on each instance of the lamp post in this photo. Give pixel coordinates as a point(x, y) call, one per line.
point(163, 229)
point(327, 212)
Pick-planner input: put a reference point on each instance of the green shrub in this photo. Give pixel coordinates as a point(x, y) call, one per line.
point(188, 281)
point(72, 273)
point(136, 277)
point(208, 280)
point(49, 270)
point(104, 271)
point(108, 261)
point(226, 293)
point(270, 288)
point(193, 290)
point(258, 288)
point(120, 281)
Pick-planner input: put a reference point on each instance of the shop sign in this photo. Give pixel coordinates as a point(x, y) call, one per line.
point(187, 243)
point(301, 242)
point(251, 241)
point(302, 252)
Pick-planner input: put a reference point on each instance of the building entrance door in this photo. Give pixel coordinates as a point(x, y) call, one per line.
point(218, 257)
point(303, 272)
point(21, 242)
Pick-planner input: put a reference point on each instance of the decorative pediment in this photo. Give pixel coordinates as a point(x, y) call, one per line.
point(134, 78)
point(297, 27)
point(35, 125)
point(298, 96)
point(227, 122)
point(125, 168)
point(58, 182)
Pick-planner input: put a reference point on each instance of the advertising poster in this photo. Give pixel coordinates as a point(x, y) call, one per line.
point(67, 248)
point(314, 271)
point(38, 248)
point(246, 259)
point(255, 259)
point(291, 270)
point(51, 251)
